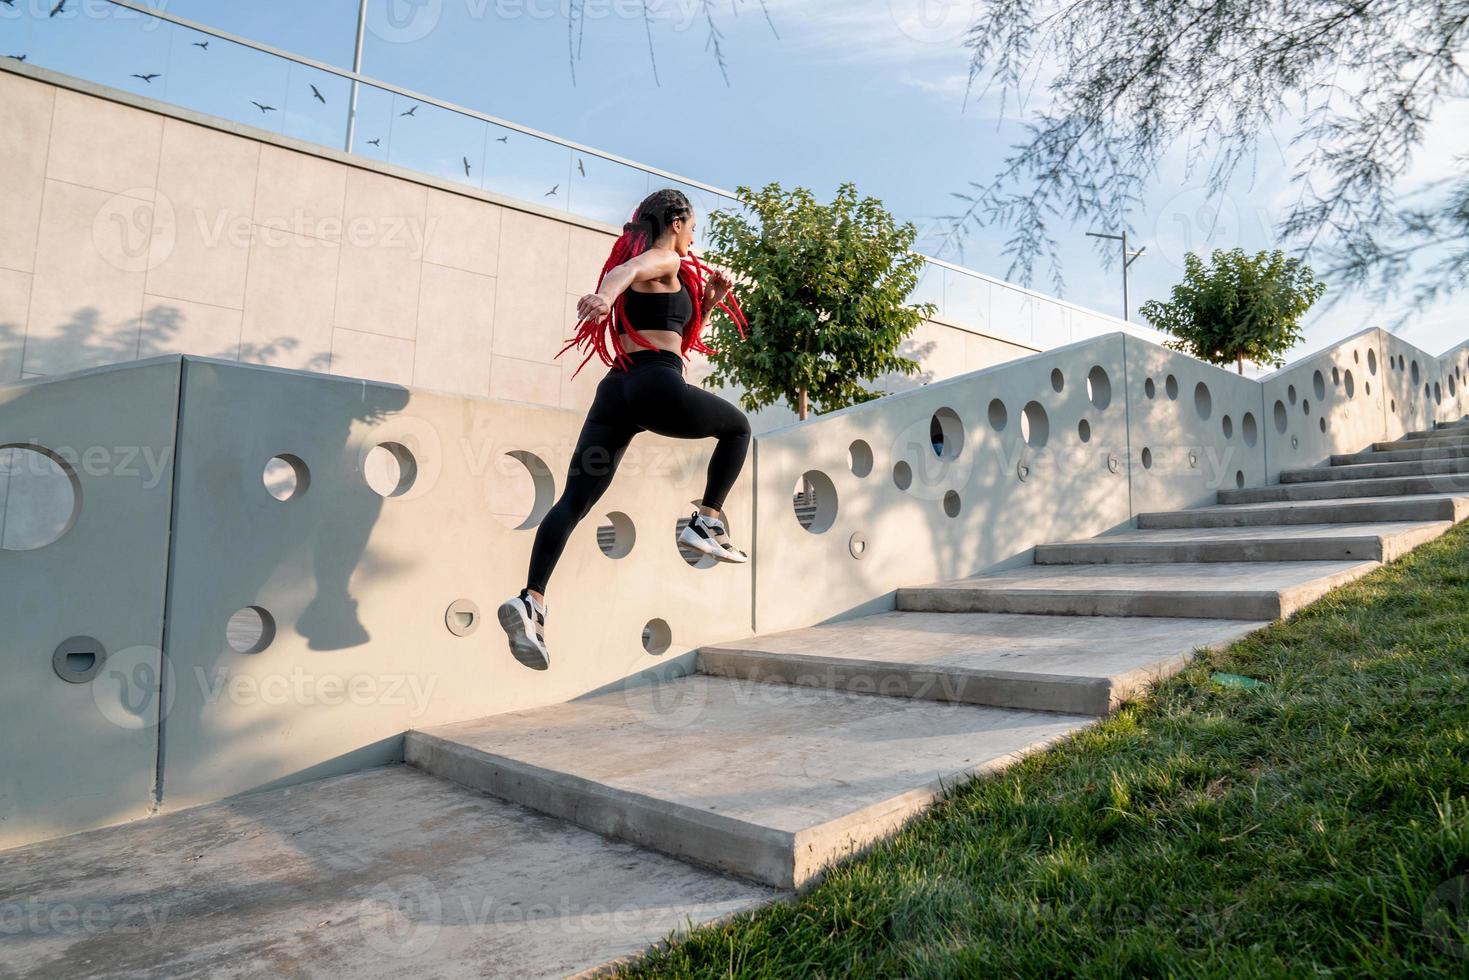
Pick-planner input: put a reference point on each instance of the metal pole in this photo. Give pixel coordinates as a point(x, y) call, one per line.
point(356, 70)
point(1124, 275)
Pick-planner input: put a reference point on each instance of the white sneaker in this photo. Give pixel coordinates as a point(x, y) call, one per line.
point(707, 535)
point(524, 620)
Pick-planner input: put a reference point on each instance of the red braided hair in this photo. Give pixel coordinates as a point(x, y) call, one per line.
point(599, 337)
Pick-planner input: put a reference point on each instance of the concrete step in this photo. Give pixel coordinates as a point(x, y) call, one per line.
point(1400, 455)
point(1375, 470)
point(1203, 590)
point(1300, 542)
point(1426, 442)
point(768, 781)
point(1393, 486)
point(1040, 663)
point(378, 874)
point(1366, 510)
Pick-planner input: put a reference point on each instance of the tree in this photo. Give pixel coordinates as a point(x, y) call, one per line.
point(1242, 307)
point(1129, 80)
point(824, 290)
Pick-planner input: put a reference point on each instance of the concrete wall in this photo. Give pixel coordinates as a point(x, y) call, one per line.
point(314, 532)
point(196, 235)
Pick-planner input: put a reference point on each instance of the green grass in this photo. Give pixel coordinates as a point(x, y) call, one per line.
point(1296, 829)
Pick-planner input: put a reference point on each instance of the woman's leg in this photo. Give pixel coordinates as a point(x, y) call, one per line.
point(599, 449)
point(667, 405)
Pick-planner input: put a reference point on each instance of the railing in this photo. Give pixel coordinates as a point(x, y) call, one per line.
point(184, 63)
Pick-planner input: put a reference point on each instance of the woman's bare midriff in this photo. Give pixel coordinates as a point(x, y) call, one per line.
point(669, 340)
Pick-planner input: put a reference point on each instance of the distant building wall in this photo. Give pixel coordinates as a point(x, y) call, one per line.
point(132, 229)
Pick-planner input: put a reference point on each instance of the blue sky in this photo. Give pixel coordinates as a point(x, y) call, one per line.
point(818, 92)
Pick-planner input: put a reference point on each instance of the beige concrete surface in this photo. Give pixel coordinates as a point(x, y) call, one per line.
point(382, 874)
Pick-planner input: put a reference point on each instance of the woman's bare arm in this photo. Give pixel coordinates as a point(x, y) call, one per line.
point(652, 264)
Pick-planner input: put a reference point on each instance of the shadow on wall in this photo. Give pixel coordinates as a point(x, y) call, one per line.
point(85, 341)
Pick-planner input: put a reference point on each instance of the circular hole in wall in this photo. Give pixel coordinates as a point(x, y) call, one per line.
point(1058, 380)
point(1372, 362)
point(462, 617)
point(1415, 371)
point(1281, 421)
point(286, 477)
point(1322, 423)
point(1203, 401)
point(857, 545)
point(522, 489)
point(859, 458)
point(1248, 430)
point(693, 556)
point(1350, 385)
point(1227, 424)
point(1335, 379)
point(902, 475)
point(1035, 427)
point(814, 500)
point(1437, 393)
point(1239, 479)
point(1318, 385)
point(1394, 406)
point(657, 637)
point(1170, 385)
point(1427, 392)
point(1453, 388)
point(616, 534)
point(1150, 389)
point(390, 469)
point(1099, 387)
point(1367, 387)
point(951, 503)
point(1147, 458)
point(1290, 393)
point(946, 433)
point(250, 630)
point(999, 417)
point(1305, 406)
point(1084, 430)
point(1356, 356)
point(40, 497)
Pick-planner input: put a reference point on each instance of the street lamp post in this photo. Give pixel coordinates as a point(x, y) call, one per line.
point(1127, 260)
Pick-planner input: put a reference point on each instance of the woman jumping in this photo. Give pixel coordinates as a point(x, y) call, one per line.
point(656, 295)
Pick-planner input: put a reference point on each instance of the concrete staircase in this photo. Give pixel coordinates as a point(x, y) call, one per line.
point(788, 751)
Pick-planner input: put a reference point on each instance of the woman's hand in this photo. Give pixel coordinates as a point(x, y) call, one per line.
point(593, 307)
point(717, 286)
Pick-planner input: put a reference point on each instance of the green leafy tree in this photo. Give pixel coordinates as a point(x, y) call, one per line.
point(1239, 307)
point(823, 288)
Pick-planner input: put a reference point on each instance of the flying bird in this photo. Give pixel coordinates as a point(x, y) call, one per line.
point(409, 112)
point(502, 139)
point(147, 78)
point(316, 94)
point(262, 108)
point(57, 9)
point(202, 44)
point(466, 166)
point(17, 57)
point(8, 3)
point(376, 142)
point(552, 191)
point(581, 167)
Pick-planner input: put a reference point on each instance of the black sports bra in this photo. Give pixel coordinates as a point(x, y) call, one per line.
point(659, 311)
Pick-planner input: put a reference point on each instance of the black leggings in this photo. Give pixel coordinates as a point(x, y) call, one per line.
point(651, 396)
